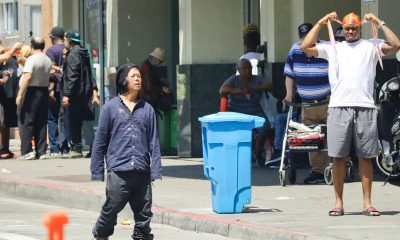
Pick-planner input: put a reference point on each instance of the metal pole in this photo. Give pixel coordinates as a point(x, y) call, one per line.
point(101, 50)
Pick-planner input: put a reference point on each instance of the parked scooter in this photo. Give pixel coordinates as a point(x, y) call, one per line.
point(388, 162)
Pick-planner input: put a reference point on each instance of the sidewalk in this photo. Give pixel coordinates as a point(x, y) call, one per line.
point(183, 199)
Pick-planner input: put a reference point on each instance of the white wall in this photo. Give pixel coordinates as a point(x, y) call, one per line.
point(210, 31)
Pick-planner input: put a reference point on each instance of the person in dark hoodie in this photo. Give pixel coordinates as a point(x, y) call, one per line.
point(78, 88)
point(127, 138)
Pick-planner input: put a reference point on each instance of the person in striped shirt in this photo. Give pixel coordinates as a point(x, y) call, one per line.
point(309, 76)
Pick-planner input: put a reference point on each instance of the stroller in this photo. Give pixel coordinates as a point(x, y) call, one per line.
point(301, 138)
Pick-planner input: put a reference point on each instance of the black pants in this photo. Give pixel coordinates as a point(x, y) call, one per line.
point(32, 120)
point(73, 120)
point(123, 187)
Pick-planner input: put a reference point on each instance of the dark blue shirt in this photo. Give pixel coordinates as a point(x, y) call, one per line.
point(128, 140)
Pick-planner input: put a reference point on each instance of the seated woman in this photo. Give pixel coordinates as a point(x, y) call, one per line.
point(244, 93)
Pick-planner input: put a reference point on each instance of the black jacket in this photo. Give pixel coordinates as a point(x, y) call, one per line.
point(78, 82)
point(77, 79)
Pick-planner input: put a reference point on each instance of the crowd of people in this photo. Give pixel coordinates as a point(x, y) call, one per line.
point(52, 92)
point(339, 77)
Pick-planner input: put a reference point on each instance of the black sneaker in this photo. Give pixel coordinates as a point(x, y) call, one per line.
point(259, 159)
point(275, 161)
point(314, 177)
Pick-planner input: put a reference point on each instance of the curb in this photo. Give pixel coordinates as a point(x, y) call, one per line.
point(86, 199)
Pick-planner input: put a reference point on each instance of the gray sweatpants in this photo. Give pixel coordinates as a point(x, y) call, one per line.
point(123, 187)
point(346, 124)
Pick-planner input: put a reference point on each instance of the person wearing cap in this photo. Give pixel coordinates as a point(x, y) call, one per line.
point(156, 89)
point(78, 91)
point(127, 139)
point(55, 53)
point(352, 114)
point(310, 76)
point(339, 34)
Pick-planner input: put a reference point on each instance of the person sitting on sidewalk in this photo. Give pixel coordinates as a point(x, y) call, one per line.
point(310, 75)
point(352, 114)
point(244, 92)
point(127, 138)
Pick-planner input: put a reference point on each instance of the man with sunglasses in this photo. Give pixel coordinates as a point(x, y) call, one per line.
point(352, 114)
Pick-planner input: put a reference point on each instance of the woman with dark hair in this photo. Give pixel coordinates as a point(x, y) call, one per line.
point(127, 138)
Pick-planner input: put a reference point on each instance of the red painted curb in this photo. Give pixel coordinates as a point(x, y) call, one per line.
point(162, 210)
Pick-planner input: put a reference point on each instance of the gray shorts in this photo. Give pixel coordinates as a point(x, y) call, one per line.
point(346, 124)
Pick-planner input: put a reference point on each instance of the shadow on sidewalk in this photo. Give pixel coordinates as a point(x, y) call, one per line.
point(251, 209)
point(386, 213)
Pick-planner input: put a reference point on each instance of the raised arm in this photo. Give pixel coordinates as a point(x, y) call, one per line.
point(308, 44)
point(392, 43)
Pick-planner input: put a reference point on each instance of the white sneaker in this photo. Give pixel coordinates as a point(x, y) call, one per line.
point(28, 156)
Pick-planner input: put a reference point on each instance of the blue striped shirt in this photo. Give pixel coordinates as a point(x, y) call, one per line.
point(309, 73)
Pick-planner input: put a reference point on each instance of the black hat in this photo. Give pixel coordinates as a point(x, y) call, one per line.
point(57, 32)
point(339, 32)
point(73, 35)
point(304, 29)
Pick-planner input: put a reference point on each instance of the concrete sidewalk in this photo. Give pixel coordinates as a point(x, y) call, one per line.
point(183, 199)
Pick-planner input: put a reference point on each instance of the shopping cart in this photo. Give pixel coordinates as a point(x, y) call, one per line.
point(299, 138)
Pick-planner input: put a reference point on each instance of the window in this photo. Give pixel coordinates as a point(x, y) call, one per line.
point(8, 16)
point(33, 19)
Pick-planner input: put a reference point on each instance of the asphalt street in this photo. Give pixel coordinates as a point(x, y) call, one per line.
point(22, 220)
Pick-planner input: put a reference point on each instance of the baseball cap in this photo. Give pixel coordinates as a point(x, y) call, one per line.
point(73, 35)
point(57, 32)
point(339, 32)
point(304, 29)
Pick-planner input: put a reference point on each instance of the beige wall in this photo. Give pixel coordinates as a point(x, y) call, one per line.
point(385, 10)
point(70, 14)
point(141, 28)
point(280, 19)
point(210, 31)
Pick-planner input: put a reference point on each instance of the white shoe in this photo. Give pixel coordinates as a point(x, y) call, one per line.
point(28, 156)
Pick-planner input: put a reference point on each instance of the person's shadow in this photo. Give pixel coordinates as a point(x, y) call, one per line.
point(383, 213)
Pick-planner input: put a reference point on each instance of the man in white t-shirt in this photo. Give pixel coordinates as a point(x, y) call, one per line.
point(32, 102)
point(352, 114)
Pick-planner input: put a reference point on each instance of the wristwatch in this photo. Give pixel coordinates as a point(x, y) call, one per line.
point(381, 23)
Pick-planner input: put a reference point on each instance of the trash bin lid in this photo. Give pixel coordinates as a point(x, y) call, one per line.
point(230, 117)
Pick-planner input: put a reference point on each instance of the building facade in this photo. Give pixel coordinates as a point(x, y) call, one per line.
point(202, 38)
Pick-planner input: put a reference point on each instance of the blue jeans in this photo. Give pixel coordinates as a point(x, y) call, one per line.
point(280, 125)
point(53, 117)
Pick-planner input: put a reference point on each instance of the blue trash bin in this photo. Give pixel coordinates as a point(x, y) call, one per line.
point(226, 138)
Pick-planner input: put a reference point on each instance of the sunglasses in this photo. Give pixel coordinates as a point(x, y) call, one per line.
point(353, 28)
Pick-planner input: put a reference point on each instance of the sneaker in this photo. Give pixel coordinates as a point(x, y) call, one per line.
point(73, 154)
point(6, 154)
point(259, 159)
point(314, 177)
point(275, 161)
point(28, 156)
point(97, 238)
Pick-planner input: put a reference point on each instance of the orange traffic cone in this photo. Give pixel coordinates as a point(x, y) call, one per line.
point(54, 222)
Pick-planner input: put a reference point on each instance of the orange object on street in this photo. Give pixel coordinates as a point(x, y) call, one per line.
point(54, 222)
point(223, 106)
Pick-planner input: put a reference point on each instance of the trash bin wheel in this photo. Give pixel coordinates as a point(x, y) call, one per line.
point(328, 175)
point(292, 175)
point(282, 178)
